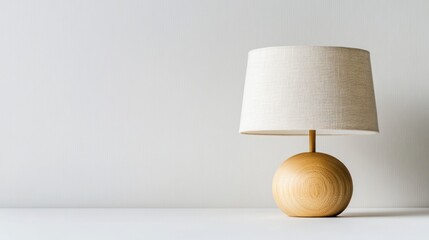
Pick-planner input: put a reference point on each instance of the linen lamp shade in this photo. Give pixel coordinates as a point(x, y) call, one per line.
point(292, 89)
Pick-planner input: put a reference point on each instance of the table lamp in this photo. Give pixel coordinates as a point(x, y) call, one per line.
point(309, 90)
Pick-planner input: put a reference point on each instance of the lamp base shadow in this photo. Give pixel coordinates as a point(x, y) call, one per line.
point(386, 213)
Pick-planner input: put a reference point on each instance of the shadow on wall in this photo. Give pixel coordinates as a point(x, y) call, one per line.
point(406, 161)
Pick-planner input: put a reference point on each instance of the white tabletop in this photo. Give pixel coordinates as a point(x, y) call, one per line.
point(105, 224)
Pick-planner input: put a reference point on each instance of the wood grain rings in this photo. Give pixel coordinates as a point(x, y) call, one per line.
point(312, 184)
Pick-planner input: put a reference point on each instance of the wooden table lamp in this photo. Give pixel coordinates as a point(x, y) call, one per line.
point(300, 90)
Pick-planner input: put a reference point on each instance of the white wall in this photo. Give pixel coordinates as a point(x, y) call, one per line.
point(137, 103)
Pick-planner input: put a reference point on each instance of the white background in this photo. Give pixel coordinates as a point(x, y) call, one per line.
point(137, 103)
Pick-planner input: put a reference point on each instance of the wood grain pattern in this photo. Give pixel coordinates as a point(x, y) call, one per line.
point(312, 185)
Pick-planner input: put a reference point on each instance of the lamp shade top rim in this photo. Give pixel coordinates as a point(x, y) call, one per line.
point(308, 47)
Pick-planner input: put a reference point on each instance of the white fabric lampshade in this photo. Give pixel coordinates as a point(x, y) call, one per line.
point(290, 90)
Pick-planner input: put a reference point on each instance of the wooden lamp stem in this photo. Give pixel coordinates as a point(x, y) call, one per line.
point(312, 138)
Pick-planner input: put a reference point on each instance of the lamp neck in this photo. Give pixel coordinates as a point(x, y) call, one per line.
point(312, 140)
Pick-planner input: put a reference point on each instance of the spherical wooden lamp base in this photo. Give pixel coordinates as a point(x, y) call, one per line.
point(312, 184)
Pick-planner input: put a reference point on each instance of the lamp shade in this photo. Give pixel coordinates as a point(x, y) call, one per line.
point(292, 89)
